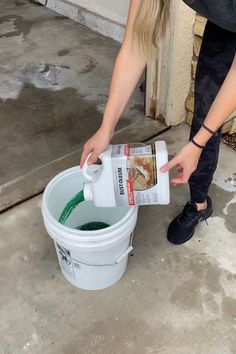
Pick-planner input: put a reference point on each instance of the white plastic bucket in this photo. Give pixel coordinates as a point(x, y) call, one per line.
point(90, 260)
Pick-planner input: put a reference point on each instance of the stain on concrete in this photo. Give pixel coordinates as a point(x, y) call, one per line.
point(207, 272)
point(63, 52)
point(45, 68)
point(187, 295)
point(212, 278)
point(42, 126)
point(169, 140)
point(19, 3)
point(43, 75)
point(230, 219)
point(122, 332)
point(138, 107)
point(231, 179)
point(197, 267)
point(176, 257)
point(230, 277)
point(60, 17)
point(229, 307)
point(210, 303)
point(221, 198)
point(22, 27)
point(234, 181)
point(89, 66)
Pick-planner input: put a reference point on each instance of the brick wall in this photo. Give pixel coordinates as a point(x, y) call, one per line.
point(199, 26)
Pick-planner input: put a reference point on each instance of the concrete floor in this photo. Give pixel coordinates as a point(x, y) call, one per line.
point(54, 82)
point(171, 300)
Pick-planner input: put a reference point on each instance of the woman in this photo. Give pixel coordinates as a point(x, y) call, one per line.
point(215, 97)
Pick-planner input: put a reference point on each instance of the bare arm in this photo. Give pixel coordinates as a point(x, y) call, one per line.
point(223, 106)
point(126, 74)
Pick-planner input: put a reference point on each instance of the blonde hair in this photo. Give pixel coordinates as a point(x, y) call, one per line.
point(150, 25)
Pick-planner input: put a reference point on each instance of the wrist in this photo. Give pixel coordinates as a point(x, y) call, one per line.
point(202, 137)
point(107, 129)
point(194, 150)
point(198, 146)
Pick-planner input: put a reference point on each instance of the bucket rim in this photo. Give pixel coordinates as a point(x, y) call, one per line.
point(95, 234)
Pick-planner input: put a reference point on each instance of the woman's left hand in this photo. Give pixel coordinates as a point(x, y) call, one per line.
point(185, 161)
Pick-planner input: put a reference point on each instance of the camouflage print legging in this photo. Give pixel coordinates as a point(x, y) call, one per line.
point(215, 59)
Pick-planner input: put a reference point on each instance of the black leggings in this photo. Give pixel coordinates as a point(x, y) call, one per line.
point(215, 59)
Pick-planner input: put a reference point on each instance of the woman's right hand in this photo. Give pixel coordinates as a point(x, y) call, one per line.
point(97, 144)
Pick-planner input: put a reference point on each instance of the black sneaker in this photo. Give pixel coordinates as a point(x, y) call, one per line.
point(181, 229)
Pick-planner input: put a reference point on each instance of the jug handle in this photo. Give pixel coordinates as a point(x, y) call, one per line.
point(85, 169)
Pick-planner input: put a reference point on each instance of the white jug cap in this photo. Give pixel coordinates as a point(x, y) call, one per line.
point(88, 194)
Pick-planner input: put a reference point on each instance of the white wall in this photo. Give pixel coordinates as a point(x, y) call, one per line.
point(115, 10)
point(107, 17)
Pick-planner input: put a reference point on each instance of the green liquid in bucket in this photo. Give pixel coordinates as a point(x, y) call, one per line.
point(93, 225)
point(73, 203)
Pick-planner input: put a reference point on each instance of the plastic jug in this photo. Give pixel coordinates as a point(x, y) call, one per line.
point(129, 174)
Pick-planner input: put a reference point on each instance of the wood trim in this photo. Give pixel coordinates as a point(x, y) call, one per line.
point(152, 90)
point(169, 76)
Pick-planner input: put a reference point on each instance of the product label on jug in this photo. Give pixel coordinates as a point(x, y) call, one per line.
point(135, 174)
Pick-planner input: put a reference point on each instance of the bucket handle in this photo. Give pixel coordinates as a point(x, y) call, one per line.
point(117, 261)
